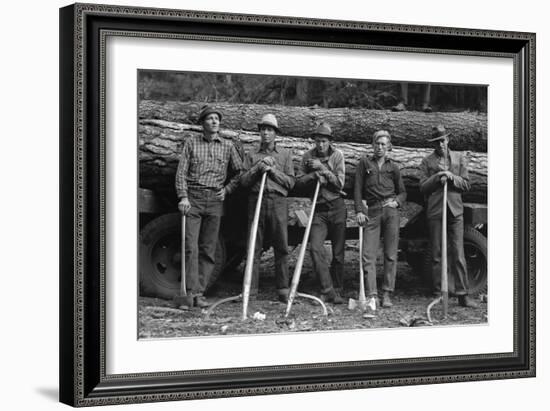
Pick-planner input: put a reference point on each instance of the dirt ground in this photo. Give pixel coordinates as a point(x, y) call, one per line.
point(159, 319)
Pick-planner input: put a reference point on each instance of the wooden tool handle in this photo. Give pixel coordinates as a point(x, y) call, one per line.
point(444, 278)
point(302, 254)
point(183, 289)
point(362, 296)
point(251, 247)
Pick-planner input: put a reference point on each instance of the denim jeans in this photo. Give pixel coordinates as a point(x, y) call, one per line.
point(201, 239)
point(456, 267)
point(329, 221)
point(383, 220)
point(272, 230)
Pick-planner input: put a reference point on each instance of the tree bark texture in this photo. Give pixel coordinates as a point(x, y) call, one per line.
point(408, 128)
point(160, 144)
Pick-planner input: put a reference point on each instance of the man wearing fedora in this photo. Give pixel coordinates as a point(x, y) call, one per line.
point(200, 185)
point(273, 222)
point(440, 167)
point(325, 164)
point(379, 191)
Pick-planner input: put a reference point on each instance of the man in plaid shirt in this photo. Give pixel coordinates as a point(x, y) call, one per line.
point(200, 186)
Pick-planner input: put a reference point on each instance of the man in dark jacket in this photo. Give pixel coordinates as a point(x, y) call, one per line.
point(440, 167)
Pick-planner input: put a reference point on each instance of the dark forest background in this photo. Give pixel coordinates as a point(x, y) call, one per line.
point(301, 91)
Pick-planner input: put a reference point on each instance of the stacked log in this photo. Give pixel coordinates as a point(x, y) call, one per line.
point(408, 128)
point(160, 143)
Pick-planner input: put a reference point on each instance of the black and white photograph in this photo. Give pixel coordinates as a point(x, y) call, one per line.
point(260, 204)
point(148, 266)
point(286, 204)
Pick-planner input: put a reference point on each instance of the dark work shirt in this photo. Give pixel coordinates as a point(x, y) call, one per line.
point(375, 184)
point(281, 178)
point(335, 164)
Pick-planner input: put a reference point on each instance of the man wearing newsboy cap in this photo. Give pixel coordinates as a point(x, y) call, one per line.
point(440, 167)
point(273, 222)
point(202, 172)
point(325, 163)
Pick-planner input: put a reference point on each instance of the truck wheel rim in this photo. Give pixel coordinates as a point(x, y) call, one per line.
point(476, 264)
point(166, 259)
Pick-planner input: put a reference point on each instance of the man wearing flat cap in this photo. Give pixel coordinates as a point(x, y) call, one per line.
point(201, 187)
point(273, 222)
point(440, 167)
point(325, 164)
point(379, 191)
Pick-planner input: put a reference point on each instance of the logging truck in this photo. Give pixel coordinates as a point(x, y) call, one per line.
point(163, 126)
point(160, 241)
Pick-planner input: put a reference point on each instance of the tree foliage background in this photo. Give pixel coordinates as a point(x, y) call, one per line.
point(302, 91)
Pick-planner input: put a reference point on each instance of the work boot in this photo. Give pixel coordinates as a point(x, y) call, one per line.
point(386, 300)
point(332, 297)
point(399, 107)
point(337, 298)
point(426, 108)
point(201, 302)
point(466, 301)
point(283, 296)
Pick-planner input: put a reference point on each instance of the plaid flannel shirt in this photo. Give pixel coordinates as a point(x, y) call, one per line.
point(204, 165)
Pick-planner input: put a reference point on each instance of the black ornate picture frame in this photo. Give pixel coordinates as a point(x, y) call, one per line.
point(84, 29)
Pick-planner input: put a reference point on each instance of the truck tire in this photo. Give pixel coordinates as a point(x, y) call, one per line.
point(475, 251)
point(160, 257)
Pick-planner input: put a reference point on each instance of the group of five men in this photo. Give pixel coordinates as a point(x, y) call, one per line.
point(202, 185)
